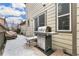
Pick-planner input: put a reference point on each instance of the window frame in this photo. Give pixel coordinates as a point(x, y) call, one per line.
point(70, 29)
point(35, 24)
point(45, 23)
point(44, 19)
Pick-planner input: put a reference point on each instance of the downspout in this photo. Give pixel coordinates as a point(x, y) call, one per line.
point(74, 28)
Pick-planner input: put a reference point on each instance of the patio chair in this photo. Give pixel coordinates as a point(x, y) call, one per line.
point(30, 37)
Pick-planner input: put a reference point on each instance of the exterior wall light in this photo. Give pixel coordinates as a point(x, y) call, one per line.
point(44, 4)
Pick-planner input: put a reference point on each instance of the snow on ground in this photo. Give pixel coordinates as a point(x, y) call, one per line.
point(16, 47)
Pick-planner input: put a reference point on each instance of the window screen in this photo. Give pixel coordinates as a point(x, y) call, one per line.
point(64, 23)
point(36, 24)
point(63, 16)
point(63, 8)
point(42, 20)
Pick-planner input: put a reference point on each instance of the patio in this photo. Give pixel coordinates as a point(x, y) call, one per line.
point(17, 47)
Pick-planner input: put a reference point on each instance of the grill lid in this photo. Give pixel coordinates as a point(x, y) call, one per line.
point(44, 29)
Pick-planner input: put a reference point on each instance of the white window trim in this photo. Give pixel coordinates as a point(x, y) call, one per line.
point(69, 19)
point(37, 21)
point(38, 17)
point(42, 14)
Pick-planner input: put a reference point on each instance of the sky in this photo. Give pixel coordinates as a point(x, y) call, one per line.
point(13, 12)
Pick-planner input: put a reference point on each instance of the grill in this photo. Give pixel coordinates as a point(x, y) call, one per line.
point(44, 39)
point(44, 29)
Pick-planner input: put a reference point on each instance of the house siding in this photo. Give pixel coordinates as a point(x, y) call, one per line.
point(77, 29)
point(59, 40)
point(1, 40)
point(1, 33)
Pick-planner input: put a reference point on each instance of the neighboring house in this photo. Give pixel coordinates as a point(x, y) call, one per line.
point(23, 27)
point(2, 30)
point(29, 28)
point(63, 18)
point(26, 28)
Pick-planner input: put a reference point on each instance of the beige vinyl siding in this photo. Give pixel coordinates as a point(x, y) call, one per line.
point(64, 41)
point(59, 40)
point(1, 33)
point(78, 29)
point(1, 39)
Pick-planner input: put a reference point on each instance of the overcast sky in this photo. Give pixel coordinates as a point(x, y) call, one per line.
point(13, 11)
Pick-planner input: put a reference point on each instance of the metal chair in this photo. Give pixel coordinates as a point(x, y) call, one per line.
point(30, 36)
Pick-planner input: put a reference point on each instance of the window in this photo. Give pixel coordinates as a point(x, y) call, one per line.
point(63, 8)
point(42, 20)
point(63, 21)
point(36, 24)
point(39, 21)
point(64, 17)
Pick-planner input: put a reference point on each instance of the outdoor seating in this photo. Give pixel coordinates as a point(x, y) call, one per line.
point(30, 40)
point(30, 37)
